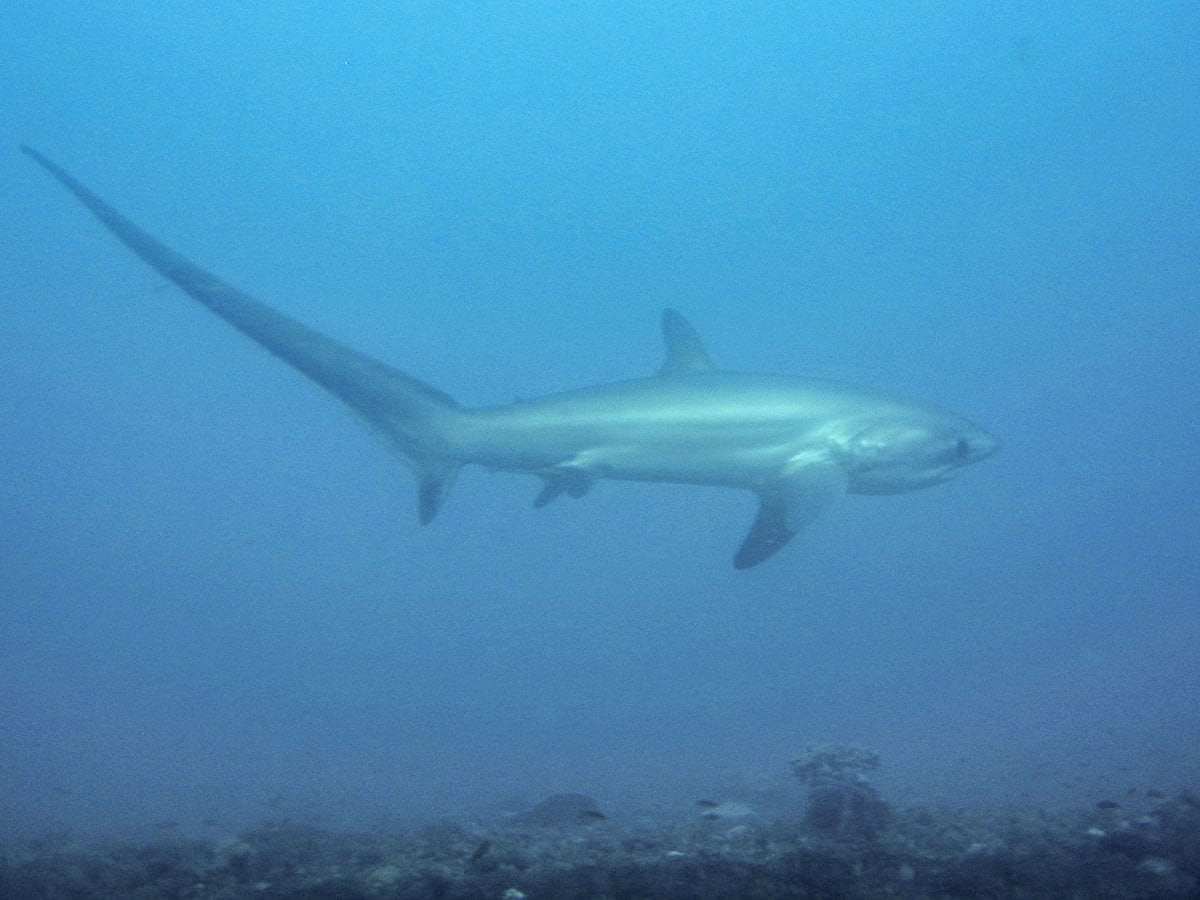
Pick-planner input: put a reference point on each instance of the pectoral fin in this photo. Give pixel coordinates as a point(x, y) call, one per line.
point(787, 505)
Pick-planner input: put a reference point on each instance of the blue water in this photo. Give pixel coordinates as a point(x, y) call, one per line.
point(215, 600)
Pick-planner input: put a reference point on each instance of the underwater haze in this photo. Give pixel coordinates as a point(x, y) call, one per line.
point(217, 605)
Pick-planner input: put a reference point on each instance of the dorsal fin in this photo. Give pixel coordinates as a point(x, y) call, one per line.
point(685, 353)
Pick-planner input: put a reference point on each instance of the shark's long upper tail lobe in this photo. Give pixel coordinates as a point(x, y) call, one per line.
point(413, 416)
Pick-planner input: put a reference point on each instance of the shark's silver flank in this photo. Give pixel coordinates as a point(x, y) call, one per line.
point(798, 443)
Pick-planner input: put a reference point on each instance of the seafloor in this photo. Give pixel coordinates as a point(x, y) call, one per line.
point(722, 851)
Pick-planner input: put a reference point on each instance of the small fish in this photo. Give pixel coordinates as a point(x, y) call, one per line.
point(706, 804)
point(592, 814)
point(481, 851)
point(166, 826)
point(1156, 795)
point(1108, 804)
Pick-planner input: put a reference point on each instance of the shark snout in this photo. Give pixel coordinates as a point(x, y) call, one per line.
point(978, 445)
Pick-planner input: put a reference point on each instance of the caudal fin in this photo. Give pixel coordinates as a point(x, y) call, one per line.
point(413, 417)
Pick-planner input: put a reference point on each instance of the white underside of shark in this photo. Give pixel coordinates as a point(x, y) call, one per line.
point(798, 443)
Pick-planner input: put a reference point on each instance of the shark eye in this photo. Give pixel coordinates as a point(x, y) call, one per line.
point(962, 448)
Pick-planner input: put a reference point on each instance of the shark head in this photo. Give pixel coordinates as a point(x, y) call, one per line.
point(894, 456)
